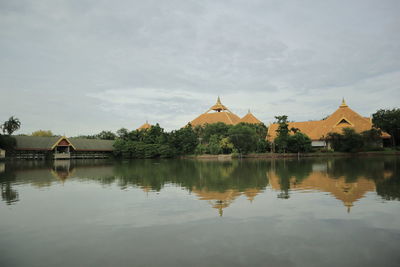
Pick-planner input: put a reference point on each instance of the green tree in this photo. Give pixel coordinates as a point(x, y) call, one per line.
point(348, 141)
point(107, 135)
point(42, 133)
point(281, 140)
point(372, 138)
point(184, 140)
point(11, 125)
point(220, 129)
point(388, 120)
point(243, 138)
point(299, 142)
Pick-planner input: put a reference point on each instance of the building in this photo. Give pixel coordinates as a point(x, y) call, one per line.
point(343, 117)
point(144, 126)
point(250, 118)
point(220, 113)
point(56, 147)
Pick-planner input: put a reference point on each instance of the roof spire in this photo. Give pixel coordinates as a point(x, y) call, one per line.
point(218, 106)
point(343, 105)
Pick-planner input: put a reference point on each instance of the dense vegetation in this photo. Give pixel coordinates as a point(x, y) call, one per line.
point(286, 142)
point(388, 120)
point(217, 138)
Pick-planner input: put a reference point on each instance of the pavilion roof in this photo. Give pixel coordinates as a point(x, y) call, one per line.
point(48, 143)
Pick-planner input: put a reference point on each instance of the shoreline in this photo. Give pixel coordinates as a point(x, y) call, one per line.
point(292, 155)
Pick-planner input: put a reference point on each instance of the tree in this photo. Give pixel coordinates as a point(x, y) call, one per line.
point(107, 135)
point(243, 138)
point(299, 142)
point(220, 129)
point(12, 125)
point(348, 141)
point(372, 138)
point(123, 133)
point(42, 133)
point(281, 140)
point(388, 120)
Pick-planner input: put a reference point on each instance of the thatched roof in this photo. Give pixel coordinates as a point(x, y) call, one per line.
point(343, 117)
point(250, 118)
point(221, 114)
point(48, 143)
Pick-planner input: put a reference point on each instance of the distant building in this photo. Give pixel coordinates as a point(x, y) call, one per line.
point(144, 126)
point(343, 117)
point(220, 113)
point(40, 147)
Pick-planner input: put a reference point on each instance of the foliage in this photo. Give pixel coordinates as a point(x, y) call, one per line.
point(106, 135)
point(219, 129)
point(348, 141)
point(42, 133)
point(388, 120)
point(226, 145)
point(299, 142)
point(183, 140)
point(214, 145)
point(243, 137)
point(372, 139)
point(282, 137)
point(11, 125)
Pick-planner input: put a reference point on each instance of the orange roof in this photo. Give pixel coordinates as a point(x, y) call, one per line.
point(221, 114)
point(144, 126)
point(343, 117)
point(250, 118)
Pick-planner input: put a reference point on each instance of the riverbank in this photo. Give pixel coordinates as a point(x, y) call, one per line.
point(292, 155)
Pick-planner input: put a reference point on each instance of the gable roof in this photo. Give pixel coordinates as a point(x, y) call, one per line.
point(317, 130)
point(49, 143)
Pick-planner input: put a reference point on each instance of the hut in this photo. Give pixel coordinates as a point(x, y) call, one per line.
point(343, 117)
point(40, 147)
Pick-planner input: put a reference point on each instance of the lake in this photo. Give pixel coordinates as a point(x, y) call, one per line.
point(286, 212)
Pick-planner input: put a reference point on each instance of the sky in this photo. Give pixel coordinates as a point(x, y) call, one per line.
point(80, 67)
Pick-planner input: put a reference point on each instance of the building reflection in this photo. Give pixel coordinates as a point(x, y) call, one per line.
point(218, 183)
point(347, 192)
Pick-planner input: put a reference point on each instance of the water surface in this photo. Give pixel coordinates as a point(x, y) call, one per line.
point(307, 212)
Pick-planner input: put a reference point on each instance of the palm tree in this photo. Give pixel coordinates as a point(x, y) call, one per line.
point(11, 125)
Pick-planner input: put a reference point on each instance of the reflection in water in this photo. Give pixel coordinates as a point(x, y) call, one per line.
point(219, 183)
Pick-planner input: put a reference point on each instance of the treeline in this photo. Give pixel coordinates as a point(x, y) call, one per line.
point(216, 138)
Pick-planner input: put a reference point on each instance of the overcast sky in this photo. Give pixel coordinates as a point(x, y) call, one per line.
point(79, 67)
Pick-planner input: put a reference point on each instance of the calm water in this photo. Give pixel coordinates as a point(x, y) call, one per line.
point(309, 212)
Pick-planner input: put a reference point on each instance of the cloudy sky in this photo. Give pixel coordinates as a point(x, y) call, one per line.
point(79, 67)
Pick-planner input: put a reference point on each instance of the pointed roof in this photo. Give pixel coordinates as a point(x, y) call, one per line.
point(250, 118)
point(221, 114)
point(218, 106)
point(144, 126)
